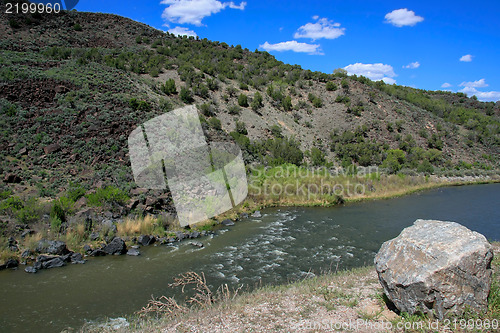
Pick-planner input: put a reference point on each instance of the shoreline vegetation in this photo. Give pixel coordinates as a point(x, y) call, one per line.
point(350, 300)
point(285, 185)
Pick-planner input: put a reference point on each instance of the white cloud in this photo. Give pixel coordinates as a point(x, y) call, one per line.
point(194, 11)
point(485, 96)
point(403, 17)
point(474, 84)
point(412, 65)
point(375, 72)
point(323, 28)
point(445, 85)
point(181, 31)
point(466, 58)
point(293, 46)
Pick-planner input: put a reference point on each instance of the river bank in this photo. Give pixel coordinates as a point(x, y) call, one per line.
point(348, 300)
point(281, 186)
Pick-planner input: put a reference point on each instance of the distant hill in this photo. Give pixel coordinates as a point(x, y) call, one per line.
point(74, 85)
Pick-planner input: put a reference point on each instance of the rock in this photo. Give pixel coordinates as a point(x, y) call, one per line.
point(10, 263)
point(437, 268)
point(51, 148)
point(94, 236)
point(194, 234)
point(30, 269)
point(26, 254)
point(52, 247)
point(197, 244)
point(80, 203)
point(138, 191)
point(132, 203)
point(87, 249)
point(12, 178)
point(27, 232)
point(227, 222)
point(179, 235)
point(97, 253)
point(133, 252)
point(23, 151)
point(146, 240)
point(108, 227)
point(116, 246)
point(77, 258)
point(53, 263)
point(244, 215)
point(257, 214)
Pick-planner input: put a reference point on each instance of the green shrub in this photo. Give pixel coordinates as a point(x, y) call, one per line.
point(331, 86)
point(243, 100)
point(186, 96)
point(77, 27)
point(234, 109)
point(215, 123)
point(287, 103)
point(107, 195)
point(257, 102)
point(169, 87)
point(57, 211)
point(241, 128)
point(14, 24)
point(435, 142)
point(317, 157)
point(394, 160)
point(276, 131)
point(55, 224)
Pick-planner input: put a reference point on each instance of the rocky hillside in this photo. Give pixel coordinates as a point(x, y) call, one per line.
point(74, 85)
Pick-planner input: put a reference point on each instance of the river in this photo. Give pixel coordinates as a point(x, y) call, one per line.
point(286, 244)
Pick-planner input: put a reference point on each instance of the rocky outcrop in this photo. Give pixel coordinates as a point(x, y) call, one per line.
point(437, 268)
point(52, 247)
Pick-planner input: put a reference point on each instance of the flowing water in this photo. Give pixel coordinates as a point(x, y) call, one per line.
point(284, 245)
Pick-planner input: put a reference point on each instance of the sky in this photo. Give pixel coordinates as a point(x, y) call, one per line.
point(433, 45)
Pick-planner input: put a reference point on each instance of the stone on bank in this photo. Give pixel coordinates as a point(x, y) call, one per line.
point(436, 268)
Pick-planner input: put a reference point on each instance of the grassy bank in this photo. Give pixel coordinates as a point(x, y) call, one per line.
point(311, 305)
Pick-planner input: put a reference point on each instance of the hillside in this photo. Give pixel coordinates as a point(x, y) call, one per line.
point(74, 85)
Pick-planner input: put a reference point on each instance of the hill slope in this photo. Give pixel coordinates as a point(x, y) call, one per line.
point(74, 85)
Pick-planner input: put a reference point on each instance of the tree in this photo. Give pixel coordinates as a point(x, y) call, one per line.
point(287, 103)
point(241, 128)
point(243, 100)
point(257, 101)
point(186, 95)
point(317, 157)
point(331, 86)
point(394, 160)
point(169, 87)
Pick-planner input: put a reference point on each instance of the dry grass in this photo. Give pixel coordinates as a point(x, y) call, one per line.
point(135, 226)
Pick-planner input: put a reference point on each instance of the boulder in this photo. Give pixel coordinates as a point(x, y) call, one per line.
point(244, 215)
point(194, 234)
point(30, 269)
point(436, 268)
point(227, 222)
point(133, 252)
point(197, 244)
point(47, 262)
point(257, 214)
point(146, 240)
point(116, 246)
point(10, 263)
point(51, 148)
point(52, 247)
point(77, 258)
point(97, 253)
point(87, 249)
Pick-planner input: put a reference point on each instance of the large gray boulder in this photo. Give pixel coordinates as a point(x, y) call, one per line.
point(437, 268)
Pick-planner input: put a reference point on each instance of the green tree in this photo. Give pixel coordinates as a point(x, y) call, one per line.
point(243, 100)
point(257, 102)
point(186, 95)
point(287, 103)
point(331, 86)
point(169, 87)
point(317, 157)
point(394, 160)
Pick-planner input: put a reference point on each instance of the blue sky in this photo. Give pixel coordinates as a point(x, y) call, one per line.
point(447, 45)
